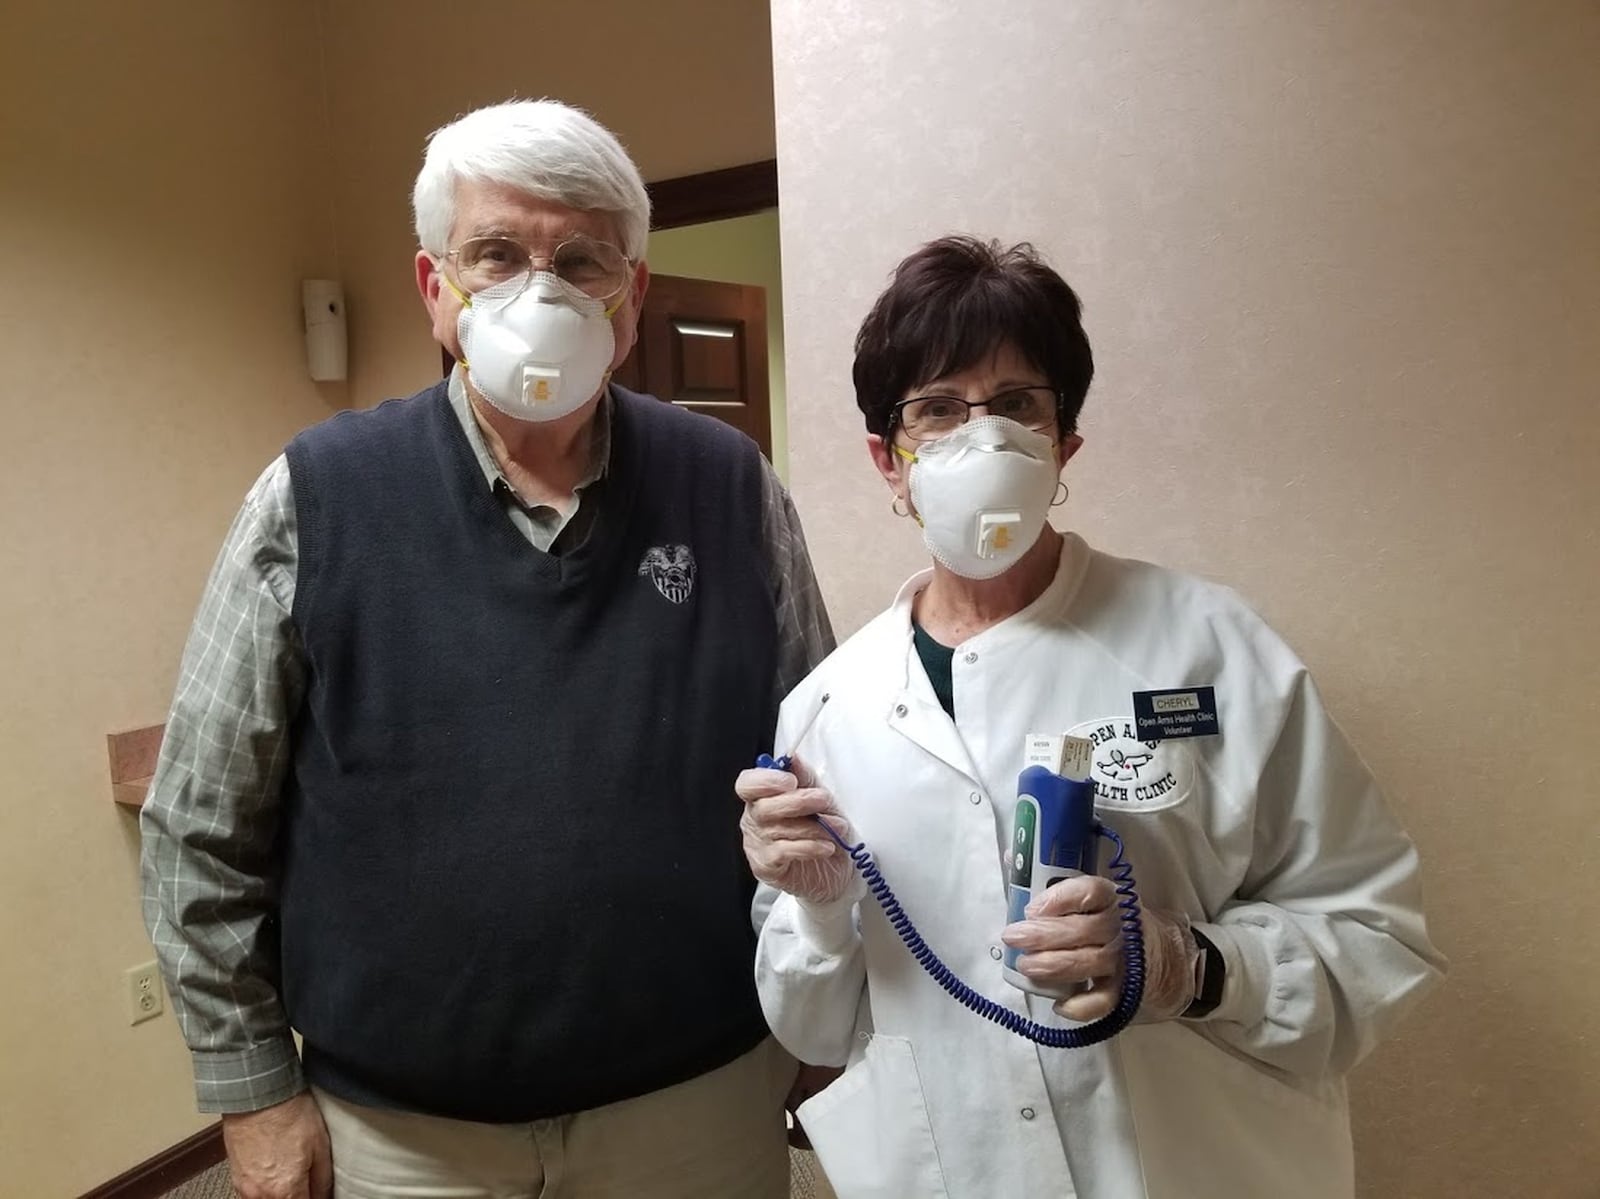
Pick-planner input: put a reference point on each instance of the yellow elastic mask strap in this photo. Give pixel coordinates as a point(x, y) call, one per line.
point(465, 299)
point(605, 380)
point(911, 458)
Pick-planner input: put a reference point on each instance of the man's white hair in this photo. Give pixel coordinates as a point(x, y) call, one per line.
point(542, 147)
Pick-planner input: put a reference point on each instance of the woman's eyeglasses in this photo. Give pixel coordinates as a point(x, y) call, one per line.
point(927, 418)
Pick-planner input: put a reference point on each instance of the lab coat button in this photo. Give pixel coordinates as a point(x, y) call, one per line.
point(975, 797)
point(899, 709)
point(995, 953)
point(972, 656)
point(1027, 1113)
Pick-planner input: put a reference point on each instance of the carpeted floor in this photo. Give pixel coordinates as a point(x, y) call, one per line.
point(213, 1184)
point(805, 1181)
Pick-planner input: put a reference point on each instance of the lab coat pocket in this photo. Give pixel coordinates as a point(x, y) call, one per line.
point(870, 1128)
point(1279, 1138)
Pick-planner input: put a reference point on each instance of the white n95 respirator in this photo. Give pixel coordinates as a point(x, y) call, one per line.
point(537, 351)
point(982, 494)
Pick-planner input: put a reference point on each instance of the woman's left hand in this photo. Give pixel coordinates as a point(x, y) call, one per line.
point(1072, 935)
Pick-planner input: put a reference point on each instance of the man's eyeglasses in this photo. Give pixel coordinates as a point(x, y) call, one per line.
point(928, 418)
point(596, 268)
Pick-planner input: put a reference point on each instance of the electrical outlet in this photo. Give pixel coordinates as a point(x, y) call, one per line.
point(144, 993)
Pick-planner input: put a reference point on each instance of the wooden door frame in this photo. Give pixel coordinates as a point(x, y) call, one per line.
point(714, 195)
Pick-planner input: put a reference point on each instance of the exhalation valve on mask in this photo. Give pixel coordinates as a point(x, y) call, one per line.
point(540, 384)
point(997, 532)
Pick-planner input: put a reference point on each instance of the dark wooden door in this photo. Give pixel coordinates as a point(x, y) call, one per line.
point(703, 345)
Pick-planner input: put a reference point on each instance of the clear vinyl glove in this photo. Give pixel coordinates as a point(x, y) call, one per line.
point(783, 842)
point(1071, 938)
point(1171, 962)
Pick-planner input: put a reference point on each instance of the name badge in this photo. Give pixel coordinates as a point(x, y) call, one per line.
point(1176, 712)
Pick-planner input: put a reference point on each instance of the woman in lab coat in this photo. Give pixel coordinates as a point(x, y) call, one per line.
point(1282, 921)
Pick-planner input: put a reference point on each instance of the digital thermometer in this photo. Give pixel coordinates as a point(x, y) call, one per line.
point(1053, 834)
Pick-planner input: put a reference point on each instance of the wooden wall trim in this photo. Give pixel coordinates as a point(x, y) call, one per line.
point(133, 762)
point(166, 1170)
point(714, 195)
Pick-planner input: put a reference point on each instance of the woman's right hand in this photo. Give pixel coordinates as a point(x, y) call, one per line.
point(785, 845)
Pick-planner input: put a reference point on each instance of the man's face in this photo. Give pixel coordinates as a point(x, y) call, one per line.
point(494, 210)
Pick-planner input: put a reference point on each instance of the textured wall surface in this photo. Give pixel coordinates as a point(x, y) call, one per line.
point(1341, 267)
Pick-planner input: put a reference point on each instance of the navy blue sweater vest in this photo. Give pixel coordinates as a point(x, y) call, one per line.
point(512, 881)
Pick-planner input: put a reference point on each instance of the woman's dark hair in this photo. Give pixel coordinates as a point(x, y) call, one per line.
point(951, 305)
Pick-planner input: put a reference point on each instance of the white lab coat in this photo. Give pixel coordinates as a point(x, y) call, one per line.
point(1271, 836)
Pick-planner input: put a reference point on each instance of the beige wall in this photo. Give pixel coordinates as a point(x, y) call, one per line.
point(1341, 266)
point(741, 250)
point(167, 176)
point(153, 232)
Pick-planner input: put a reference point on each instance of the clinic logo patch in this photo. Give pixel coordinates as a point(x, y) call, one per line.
point(1131, 775)
point(671, 569)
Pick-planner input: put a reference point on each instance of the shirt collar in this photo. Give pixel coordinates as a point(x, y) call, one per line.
point(599, 440)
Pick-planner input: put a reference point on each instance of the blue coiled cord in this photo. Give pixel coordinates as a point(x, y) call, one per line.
point(1049, 1036)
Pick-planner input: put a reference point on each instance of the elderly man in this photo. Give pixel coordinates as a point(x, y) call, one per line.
point(445, 785)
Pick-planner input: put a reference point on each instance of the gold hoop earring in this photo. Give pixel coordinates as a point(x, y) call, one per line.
point(895, 507)
point(1061, 488)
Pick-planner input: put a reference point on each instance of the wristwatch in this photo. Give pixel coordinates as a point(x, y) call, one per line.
point(1209, 975)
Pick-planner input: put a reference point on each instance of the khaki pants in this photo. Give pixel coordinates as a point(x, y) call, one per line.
point(721, 1134)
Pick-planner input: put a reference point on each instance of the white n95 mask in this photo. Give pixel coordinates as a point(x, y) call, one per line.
point(537, 352)
point(982, 494)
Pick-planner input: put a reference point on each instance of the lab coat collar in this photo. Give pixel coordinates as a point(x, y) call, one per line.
point(914, 711)
point(1052, 603)
point(916, 714)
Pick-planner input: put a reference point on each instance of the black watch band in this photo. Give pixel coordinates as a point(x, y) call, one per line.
point(1212, 971)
